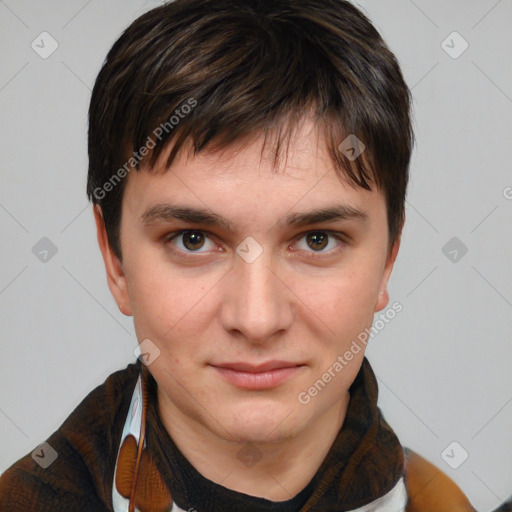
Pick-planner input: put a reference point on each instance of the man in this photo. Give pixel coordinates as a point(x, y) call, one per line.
point(248, 170)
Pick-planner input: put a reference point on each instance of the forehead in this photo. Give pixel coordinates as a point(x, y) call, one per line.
point(243, 178)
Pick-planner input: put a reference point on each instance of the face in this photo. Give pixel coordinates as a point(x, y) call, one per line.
point(249, 300)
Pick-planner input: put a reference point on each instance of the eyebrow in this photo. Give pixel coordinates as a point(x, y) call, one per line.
point(169, 212)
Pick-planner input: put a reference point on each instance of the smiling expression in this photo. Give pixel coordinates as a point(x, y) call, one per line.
point(251, 283)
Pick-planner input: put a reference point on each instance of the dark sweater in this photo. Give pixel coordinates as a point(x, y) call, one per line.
point(365, 462)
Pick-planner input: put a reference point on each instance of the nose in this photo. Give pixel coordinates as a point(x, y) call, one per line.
point(257, 305)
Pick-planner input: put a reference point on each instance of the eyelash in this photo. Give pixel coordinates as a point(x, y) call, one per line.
point(340, 237)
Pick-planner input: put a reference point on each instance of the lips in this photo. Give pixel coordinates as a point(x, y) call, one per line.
point(257, 376)
point(256, 368)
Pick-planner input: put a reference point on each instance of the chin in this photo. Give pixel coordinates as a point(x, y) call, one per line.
point(261, 424)
point(260, 434)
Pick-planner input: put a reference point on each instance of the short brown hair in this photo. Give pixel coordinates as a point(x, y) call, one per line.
point(249, 66)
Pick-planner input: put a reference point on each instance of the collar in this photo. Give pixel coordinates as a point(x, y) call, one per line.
point(366, 461)
point(363, 471)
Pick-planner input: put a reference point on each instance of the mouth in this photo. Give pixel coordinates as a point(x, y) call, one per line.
point(256, 377)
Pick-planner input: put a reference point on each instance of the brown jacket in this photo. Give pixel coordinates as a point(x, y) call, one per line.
point(365, 461)
point(429, 489)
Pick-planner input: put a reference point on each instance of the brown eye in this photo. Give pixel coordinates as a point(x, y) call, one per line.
point(191, 243)
point(193, 240)
point(317, 240)
point(321, 243)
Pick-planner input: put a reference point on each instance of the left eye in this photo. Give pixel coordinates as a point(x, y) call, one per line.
point(319, 240)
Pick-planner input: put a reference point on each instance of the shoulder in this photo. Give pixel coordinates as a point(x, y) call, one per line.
point(428, 488)
point(83, 449)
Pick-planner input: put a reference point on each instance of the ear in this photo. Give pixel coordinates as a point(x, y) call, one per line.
point(383, 297)
point(114, 268)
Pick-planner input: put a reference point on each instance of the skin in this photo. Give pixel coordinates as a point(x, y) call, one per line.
point(202, 304)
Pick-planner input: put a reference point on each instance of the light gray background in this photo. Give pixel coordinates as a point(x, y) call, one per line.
point(444, 363)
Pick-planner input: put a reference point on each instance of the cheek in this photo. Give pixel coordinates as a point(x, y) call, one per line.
point(166, 300)
point(344, 301)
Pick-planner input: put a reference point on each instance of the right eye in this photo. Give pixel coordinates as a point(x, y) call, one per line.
point(189, 241)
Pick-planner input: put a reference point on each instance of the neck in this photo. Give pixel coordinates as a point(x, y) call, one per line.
point(284, 468)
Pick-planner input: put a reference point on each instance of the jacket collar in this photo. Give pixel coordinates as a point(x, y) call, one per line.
point(362, 472)
point(366, 460)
